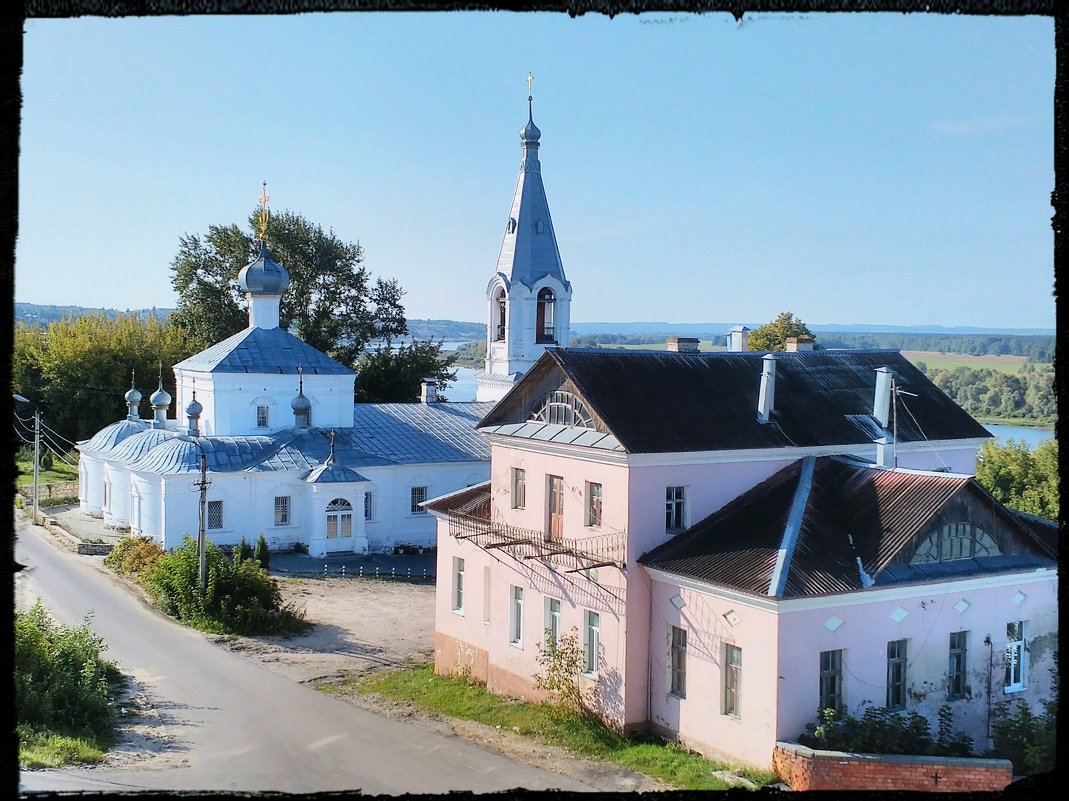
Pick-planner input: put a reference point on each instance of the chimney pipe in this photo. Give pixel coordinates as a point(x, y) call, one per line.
point(682, 345)
point(428, 391)
point(738, 339)
point(881, 401)
point(885, 451)
point(766, 400)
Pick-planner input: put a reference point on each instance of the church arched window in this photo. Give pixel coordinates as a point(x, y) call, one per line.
point(955, 541)
point(339, 519)
point(544, 316)
point(499, 314)
point(562, 408)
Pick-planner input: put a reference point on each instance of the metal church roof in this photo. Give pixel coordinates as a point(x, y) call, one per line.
point(408, 433)
point(223, 454)
point(263, 350)
point(110, 436)
point(134, 447)
point(334, 474)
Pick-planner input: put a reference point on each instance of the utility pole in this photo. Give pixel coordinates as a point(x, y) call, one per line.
point(36, 453)
point(202, 542)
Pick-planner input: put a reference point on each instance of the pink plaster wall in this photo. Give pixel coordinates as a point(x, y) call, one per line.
point(698, 718)
point(868, 627)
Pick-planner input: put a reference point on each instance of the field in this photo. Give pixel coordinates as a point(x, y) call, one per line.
point(950, 361)
point(60, 473)
point(706, 346)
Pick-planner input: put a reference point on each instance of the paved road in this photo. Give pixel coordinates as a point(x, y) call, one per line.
point(235, 724)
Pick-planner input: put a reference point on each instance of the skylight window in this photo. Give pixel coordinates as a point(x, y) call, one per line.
point(562, 408)
point(955, 541)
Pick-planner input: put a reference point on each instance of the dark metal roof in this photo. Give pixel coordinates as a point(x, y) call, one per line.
point(181, 454)
point(263, 350)
point(409, 433)
point(662, 402)
point(852, 511)
point(334, 474)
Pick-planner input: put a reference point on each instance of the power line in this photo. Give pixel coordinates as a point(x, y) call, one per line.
point(27, 441)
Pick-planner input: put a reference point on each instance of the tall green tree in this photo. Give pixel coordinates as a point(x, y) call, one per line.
point(772, 336)
point(333, 301)
point(77, 370)
point(393, 374)
point(1020, 477)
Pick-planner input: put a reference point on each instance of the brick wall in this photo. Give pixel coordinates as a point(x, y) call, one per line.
point(805, 769)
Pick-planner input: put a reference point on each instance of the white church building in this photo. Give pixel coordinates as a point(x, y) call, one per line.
point(289, 454)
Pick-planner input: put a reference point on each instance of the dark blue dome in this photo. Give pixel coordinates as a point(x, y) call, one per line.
point(263, 276)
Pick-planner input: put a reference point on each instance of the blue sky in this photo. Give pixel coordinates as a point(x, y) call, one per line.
point(852, 168)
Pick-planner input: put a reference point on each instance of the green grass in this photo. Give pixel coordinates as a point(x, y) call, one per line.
point(462, 697)
point(61, 473)
point(39, 749)
point(949, 361)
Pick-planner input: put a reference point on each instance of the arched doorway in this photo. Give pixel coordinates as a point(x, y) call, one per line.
point(339, 519)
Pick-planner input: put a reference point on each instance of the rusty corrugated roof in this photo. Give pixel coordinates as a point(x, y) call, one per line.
point(469, 502)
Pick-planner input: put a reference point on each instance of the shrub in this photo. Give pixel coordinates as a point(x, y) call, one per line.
point(261, 553)
point(242, 551)
point(46, 460)
point(1026, 739)
point(133, 555)
point(885, 731)
point(240, 597)
point(561, 665)
point(61, 682)
point(300, 547)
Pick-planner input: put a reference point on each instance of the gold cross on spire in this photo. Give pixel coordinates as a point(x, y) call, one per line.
point(264, 214)
point(530, 80)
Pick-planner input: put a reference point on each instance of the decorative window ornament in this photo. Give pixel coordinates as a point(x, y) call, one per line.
point(562, 408)
point(1018, 598)
point(899, 615)
point(833, 623)
point(961, 606)
point(732, 617)
point(677, 601)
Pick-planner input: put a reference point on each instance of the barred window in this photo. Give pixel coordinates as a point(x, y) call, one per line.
point(419, 495)
point(261, 417)
point(282, 510)
point(215, 514)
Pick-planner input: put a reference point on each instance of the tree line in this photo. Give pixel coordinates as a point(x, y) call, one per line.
point(1023, 478)
point(1037, 348)
point(984, 392)
point(78, 368)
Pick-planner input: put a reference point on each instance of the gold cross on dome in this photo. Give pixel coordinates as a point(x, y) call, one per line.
point(530, 80)
point(264, 214)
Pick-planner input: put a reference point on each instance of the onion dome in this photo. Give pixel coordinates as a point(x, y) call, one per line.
point(133, 397)
point(194, 408)
point(160, 399)
point(264, 276)
point(530, 132)
point(301, 404)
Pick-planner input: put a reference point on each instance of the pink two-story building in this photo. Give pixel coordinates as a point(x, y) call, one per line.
point(739, 539)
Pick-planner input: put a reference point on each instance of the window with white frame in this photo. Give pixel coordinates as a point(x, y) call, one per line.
point(419, 495)
point(593, 504)
point(261, 417)
point(339, 519)
point(516, 615)
point(831, 680)
point(678, 660)
point(1015, 673)
point(896, 674)
point(486, 594)
point(562, 408)
point(458, 584)
point(591, 641)
point(519, 488)
point(215, 515)
point(552, 625)
point(732, 681)
point(957, 665)
point(282, 510)
point(675, 508)
point(369, 505)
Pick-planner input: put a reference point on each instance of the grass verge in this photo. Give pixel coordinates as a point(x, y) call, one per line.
point(43, 749)
point(463, 697)
point(61, 473)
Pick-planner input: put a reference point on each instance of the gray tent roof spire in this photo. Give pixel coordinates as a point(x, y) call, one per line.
point(529, 246)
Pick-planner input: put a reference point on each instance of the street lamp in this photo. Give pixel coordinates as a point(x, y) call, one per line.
point(36, 451)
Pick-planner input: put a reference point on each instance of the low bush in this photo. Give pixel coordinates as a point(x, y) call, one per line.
point(61, 681)
point(261, 553)
point(240, 597)
point(46, 460)
point(1026, 739)
point(133, 555)
point(886, 731)
point(242, 551)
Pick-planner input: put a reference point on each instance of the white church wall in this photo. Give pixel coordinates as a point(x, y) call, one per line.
point(149, 488)
point(117, 493)
point(91, 484)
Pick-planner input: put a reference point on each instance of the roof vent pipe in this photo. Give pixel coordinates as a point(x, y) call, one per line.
point(738, 339)
point(428, 391)
point(881, 401)
point(766, 400)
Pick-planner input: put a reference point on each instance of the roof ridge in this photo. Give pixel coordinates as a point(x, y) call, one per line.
point(782, 569)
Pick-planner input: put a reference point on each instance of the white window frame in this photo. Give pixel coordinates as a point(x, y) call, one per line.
point(369, 505)
point(208, 515)
point(732, 694)
point(263, 412)
point(552, 624)
point(677, 661)
point(1015, 657)
point(591, 642)
point(675, 504)
point(519, 488)
point(458, 585)
point(594, 507)
point(284, 508)
point(417, 495)
point(516, 616)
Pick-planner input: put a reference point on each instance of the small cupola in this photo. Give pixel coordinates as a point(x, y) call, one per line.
point(161, 401)
point(263, 280)
point(529, 134)
point(193, 411)
point(302, 407)
point(133, 400)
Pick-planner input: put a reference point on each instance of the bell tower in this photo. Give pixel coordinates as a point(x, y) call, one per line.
point(529, 297)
